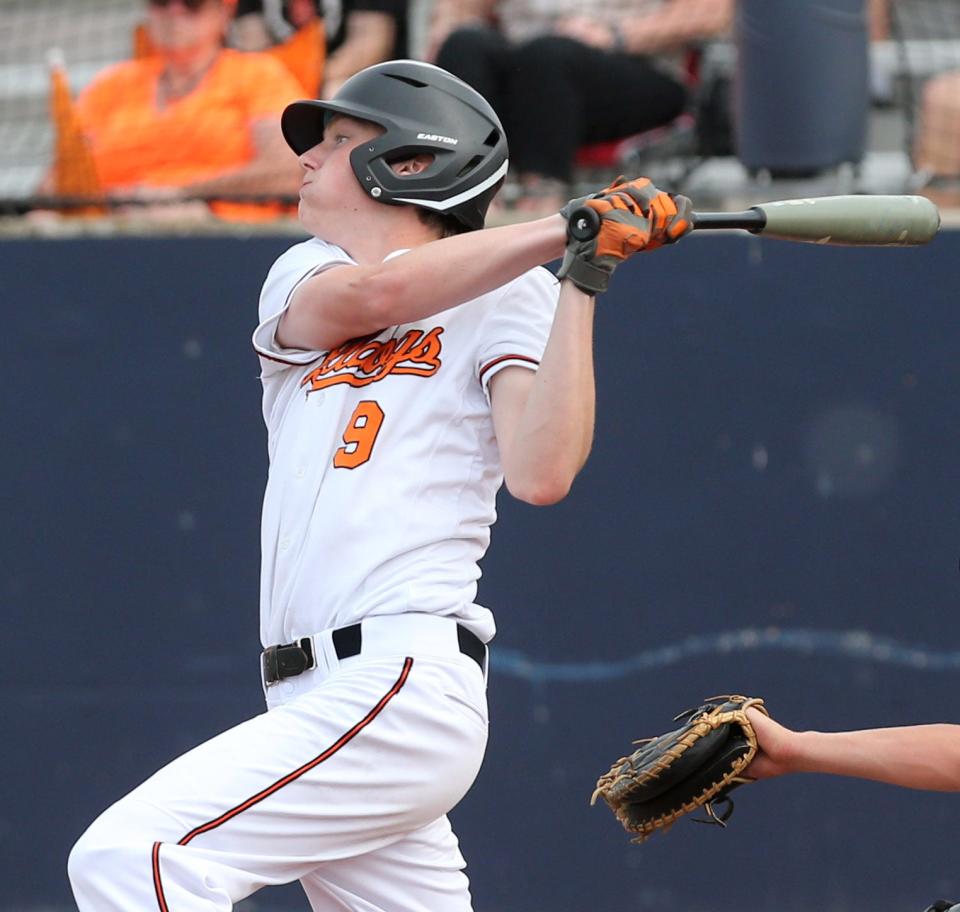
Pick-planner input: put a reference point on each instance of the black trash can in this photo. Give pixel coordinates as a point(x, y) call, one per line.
point(802, 84)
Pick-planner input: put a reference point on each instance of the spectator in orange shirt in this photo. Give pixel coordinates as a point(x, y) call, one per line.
point(193, 120)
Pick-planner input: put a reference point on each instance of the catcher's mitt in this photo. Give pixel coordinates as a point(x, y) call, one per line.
point(695, 766)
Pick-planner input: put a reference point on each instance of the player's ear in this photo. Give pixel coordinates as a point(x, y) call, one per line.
point(414, 165)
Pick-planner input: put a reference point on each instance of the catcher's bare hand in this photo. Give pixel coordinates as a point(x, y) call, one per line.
point(619, 221)
point(776, 747)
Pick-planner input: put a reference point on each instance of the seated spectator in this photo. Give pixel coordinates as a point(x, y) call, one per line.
point(359, 33)
point(291, 30)
point(565, 73)
point(935, 148)
point(937, 143)
point(192, 119)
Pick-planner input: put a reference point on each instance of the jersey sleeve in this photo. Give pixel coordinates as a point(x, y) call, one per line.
point(297, 265)
point(517, 326)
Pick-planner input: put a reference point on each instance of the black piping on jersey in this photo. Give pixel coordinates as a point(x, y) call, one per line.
point(503, 358)
point(280, 783)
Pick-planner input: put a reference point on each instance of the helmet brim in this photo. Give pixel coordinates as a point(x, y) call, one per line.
point(303, 122)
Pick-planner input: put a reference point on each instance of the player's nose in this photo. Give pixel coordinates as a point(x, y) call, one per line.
point(312, 158)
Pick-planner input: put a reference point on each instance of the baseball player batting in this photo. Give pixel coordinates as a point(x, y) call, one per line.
point(411, 363)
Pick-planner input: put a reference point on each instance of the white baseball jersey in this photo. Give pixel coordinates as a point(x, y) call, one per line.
point(383, 474)
point(384, 466)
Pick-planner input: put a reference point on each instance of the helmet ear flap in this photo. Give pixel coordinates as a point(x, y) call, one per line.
point(474, 215)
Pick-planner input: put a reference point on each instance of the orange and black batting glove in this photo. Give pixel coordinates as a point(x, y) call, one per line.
point(619, 221)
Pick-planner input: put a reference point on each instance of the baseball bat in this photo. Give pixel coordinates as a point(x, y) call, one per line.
point(858, 221)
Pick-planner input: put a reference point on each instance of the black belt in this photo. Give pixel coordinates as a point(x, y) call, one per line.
point(291, 659)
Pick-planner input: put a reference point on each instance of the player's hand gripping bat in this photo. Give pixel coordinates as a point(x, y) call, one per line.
point(858, 221)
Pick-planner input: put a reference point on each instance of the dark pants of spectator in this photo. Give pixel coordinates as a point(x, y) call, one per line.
point(554, 94)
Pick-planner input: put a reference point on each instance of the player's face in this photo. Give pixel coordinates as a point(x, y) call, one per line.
point(330, 190)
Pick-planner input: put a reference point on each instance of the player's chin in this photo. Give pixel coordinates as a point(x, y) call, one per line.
point(323, 218)
point(310, 216)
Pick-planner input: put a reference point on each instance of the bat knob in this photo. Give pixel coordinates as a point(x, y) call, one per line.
point(583, 224)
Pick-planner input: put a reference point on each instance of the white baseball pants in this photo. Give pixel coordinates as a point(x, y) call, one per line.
point(344, 784)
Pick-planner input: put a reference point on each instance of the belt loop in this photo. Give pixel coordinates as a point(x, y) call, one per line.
point(269, 666)
point(471, 645)
point(347, 641)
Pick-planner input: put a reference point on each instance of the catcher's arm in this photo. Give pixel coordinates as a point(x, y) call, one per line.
point(912, 756)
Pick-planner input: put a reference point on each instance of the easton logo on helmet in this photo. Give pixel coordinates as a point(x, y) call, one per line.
point(436, 137)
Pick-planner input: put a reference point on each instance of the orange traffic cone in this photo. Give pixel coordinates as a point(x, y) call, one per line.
point(304, 54)
point(74, 171)
point(143, 45)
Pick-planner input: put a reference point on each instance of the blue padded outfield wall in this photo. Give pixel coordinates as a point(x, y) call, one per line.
point(771, 507)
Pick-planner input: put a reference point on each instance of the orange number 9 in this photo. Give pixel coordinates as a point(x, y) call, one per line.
point(360, 435)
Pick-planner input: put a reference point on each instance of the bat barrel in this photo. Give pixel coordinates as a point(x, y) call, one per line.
point(871, 221)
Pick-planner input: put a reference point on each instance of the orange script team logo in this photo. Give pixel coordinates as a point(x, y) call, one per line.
point(361, 362)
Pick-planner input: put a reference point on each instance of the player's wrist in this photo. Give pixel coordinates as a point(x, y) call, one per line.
point(591, 278)
point(801, 752)
point(582, 265)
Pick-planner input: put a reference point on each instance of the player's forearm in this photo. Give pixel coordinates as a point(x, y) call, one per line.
point(919, 756)
point(426, 280)
point(555, 433)
point(447, 272)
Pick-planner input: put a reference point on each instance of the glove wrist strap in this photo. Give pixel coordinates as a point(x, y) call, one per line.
point(587, 276)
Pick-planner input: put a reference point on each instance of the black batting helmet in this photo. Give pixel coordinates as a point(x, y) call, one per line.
point(421, 108)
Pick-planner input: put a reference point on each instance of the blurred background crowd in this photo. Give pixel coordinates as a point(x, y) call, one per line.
point(169, 109)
